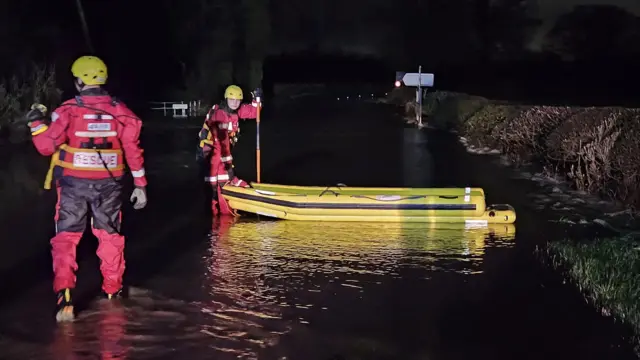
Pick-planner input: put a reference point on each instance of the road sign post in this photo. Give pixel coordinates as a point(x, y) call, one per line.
point(418, 80)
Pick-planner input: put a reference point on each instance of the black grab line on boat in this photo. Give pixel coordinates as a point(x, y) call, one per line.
point(301, 205)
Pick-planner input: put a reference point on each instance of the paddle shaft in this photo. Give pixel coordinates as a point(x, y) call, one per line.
point(258, 142)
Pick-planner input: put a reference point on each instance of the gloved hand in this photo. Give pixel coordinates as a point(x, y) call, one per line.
point(229, 168)
point(233, 136)
point(257, 93)
point(37, 112)
point(200, 158)
point(139, 198)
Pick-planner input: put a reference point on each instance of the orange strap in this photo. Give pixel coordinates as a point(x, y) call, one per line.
point(55, 161)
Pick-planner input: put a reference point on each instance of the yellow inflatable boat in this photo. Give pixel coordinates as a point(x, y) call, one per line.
point(348, 190)
point(341, 203)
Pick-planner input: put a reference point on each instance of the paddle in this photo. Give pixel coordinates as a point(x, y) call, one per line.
point(258, 100)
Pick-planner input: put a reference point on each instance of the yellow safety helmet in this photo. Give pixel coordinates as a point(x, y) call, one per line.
point(90, 69)
point(233, 92)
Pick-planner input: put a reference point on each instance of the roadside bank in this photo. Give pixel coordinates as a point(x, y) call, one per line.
point(592, 152)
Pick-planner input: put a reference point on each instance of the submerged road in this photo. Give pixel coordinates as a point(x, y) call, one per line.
point(256, 288)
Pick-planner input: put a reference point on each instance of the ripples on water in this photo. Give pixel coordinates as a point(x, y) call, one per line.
point(281, 249)
point(301, 271)
point(252, 283)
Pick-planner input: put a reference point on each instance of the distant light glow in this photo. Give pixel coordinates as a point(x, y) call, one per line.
point(398, 83)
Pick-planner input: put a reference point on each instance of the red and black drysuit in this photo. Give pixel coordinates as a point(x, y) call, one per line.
point(90, 137)
point(217, 138)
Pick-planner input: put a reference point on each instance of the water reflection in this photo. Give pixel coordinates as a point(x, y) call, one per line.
point(417, 162)
point(342, 276)
point(277, 249)
point(259, 281)
point(265, 263)
point(101, 330)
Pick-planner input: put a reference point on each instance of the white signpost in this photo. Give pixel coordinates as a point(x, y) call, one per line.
point(183, 110)
point(179, 110)
point(418, 80)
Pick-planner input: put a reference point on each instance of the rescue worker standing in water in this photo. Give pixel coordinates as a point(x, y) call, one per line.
point(217, 138)
point(90, 137)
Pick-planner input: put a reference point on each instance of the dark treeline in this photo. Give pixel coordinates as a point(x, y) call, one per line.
point(190, 49)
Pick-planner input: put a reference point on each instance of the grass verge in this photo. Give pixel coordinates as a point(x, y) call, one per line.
point(596, 149)
point(606, 272)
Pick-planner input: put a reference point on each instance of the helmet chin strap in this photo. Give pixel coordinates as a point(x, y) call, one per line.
point(81, 86)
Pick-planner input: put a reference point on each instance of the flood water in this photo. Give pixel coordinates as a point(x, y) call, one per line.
point(253, 288)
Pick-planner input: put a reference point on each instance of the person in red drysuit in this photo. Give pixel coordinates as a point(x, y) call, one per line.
point(89, 138)
point(217, 138)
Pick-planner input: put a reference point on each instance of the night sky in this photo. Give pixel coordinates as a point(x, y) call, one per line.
point(553, 8)
point(550, 10)
point(135, 37)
